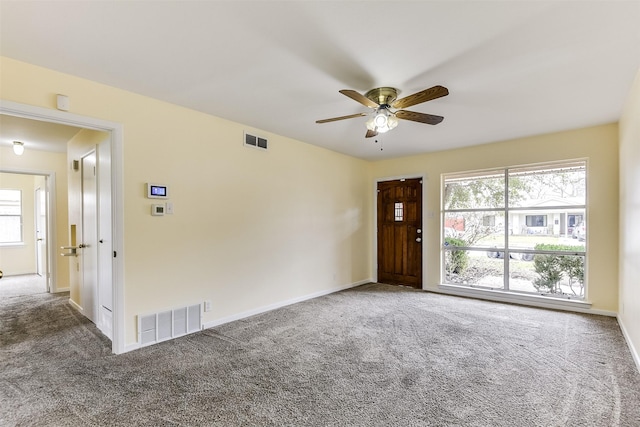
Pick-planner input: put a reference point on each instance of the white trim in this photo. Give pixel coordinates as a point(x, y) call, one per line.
point(634, 352)
point(280, 304)
point(424, 177)
point(131, 347)
point(117, 164)
point(76, 306)
point(60, 290)
point(52, 235)
point(522, 299)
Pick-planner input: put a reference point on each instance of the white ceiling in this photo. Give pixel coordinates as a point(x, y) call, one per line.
point(513, 68)
point(36, 135)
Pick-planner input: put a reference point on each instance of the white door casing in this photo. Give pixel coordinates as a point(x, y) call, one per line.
point(105, 241)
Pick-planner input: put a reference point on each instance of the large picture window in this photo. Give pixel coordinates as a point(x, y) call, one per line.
point(520, 229)
point(10, 216)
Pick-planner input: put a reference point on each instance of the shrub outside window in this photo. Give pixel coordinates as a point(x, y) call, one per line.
point(519, 229)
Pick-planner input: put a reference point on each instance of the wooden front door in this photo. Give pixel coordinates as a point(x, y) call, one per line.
point(400, 232)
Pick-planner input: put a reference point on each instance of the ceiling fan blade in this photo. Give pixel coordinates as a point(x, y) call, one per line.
point(370, 133)
point(334, 119)
point(420, 97)
point(419, 117)
point(359, 97)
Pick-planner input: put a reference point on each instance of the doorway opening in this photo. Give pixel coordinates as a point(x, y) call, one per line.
point(113, 264)
point(27, 224)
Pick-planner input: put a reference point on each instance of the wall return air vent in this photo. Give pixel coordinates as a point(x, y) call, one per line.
point(158, 327)
point(255, 141)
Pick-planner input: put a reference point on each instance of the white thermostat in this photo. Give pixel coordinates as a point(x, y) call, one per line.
point(157, 210)
point(157, 191)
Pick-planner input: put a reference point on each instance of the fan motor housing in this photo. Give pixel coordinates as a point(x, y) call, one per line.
point(382, 95)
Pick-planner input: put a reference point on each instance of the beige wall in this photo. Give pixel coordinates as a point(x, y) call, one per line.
point(250, 228)
point(20, 259)
point(597, 144)
point(629, 315)
point(46, 162)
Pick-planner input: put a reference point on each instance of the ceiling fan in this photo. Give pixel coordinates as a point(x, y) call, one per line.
point(383, 99)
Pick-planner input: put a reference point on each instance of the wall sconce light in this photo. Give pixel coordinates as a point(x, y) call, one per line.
point(18, 147)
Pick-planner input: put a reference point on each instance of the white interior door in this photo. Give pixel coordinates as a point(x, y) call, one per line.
point(41, 232)
point(88, 250)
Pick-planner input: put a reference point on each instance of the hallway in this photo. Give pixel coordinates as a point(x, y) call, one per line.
point(27, 284)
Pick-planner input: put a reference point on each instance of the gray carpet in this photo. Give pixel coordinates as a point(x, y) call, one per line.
point(27, 284)
point(375, 355)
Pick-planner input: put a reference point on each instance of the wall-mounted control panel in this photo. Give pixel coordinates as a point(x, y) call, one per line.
point(157, 210)
point(157, 191)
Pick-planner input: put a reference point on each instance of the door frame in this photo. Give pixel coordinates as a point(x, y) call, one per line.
point(50, 191)
point(117, 195)
point(374, 254)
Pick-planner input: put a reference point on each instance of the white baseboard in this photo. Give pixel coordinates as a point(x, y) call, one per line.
point(627, 338)
point(263, 309)
point(76, 306)
point(60, 290)
point(280, 304)
point(131, 347)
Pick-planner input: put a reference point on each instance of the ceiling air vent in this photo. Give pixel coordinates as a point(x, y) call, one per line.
point(255, 141)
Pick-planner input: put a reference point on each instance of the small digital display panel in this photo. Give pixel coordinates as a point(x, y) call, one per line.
point(158, 191)
point(155, 191)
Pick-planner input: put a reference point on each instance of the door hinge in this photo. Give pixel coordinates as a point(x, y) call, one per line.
point(114, 254)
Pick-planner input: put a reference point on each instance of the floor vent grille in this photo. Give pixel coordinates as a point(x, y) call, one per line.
point(255, 141)
point(157, 327)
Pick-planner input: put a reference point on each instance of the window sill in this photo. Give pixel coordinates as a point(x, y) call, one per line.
point(12, 245)
point(523, 299)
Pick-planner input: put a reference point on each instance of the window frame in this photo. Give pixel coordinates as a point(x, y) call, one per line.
point(506, 210)
point(20, 217)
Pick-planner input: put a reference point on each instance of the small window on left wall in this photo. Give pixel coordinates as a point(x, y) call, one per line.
point(10, 216)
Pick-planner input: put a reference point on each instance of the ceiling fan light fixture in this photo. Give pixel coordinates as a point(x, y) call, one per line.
point(18, 148)
point(382, 121)
point(392, 121)
point(370, 125)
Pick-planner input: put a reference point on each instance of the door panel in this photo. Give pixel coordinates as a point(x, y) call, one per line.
point(400, 232)
point(41, 232)
point(88, 246)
